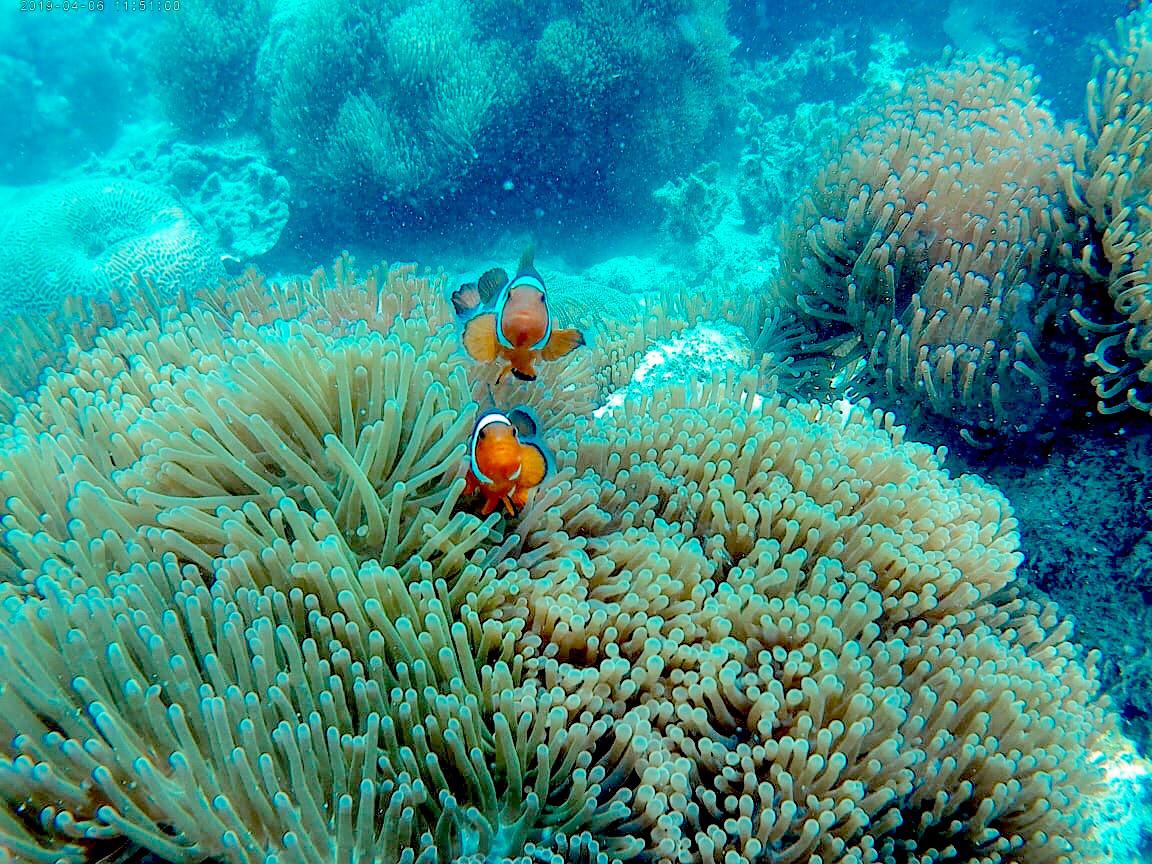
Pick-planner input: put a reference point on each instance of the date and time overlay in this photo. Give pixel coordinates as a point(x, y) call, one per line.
point(97, 6)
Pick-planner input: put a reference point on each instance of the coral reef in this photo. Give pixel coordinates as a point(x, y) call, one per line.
point(90, 237)
point(694, 205)
point(780, 153)
point(390, 102)
point(933, 255)
point(985, 27)
point(787, 119)
point(250, 618)
point(631, 274)
point(230, 189)
point(813, 69)
point(412, 105)
point(206, 57)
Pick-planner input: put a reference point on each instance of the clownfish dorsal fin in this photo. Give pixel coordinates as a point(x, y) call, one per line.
point(489, 285)
point(524, 422)
point(527, 265)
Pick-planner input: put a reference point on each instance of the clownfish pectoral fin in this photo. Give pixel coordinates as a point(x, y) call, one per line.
point(524, 421)
point(519, 497)
point(510, 503)
point(465, 299)
point(479, 337)
point(489, 285)
point(562, 342)
point(535, 464)
point(471, 483)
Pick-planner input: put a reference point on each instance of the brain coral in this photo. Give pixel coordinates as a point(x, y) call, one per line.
point(933, 252)
point(249, 617)
point(90, 237)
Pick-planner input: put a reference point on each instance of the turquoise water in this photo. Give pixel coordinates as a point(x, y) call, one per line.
point(246, 547)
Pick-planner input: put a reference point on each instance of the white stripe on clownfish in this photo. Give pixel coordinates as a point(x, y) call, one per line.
point(486, 420)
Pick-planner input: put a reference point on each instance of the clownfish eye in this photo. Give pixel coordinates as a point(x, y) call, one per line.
point(541, 296)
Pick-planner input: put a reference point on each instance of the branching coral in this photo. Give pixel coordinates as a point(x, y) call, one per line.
point(249, 617)
point(1110, 182)
point(934, 251)
point(693, 205)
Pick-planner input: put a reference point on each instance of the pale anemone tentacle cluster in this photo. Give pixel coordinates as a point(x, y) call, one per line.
point(1110, 181)
point(273, 486)
point(787, 601)
point(931, 256)
point(250, 618)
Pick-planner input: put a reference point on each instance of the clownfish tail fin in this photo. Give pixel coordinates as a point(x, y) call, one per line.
point(465, 299)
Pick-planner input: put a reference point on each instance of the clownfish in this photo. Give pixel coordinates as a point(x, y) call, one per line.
point(509, 319)
point(506, 459)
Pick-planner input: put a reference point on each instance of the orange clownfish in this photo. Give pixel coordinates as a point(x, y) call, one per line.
point(508, 319)
point(507, 459)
